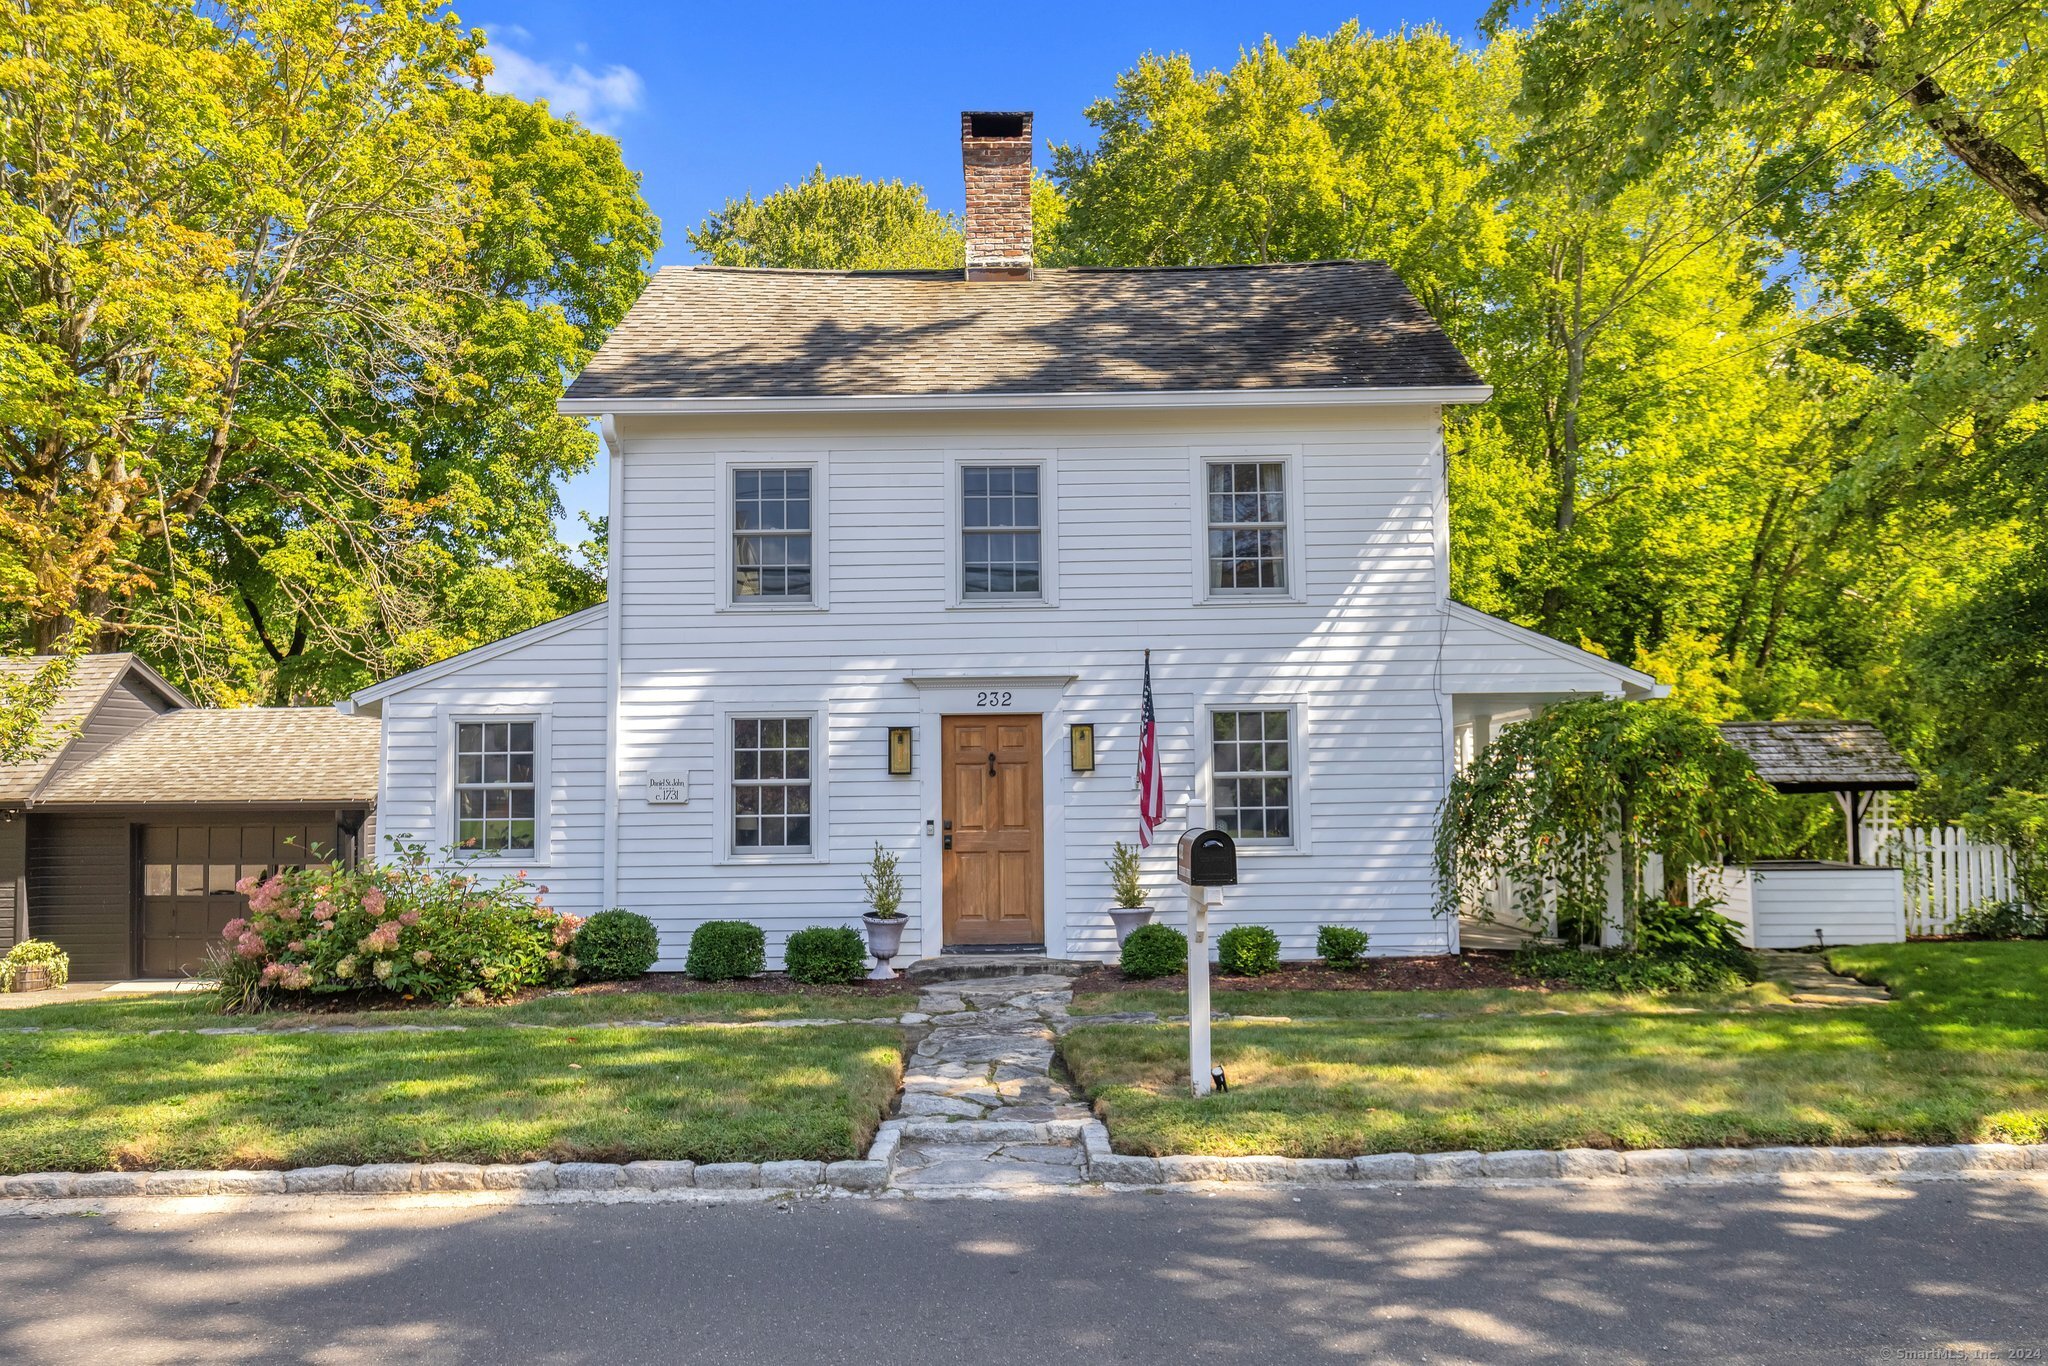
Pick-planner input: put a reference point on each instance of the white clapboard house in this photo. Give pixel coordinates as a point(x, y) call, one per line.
point(887, 551)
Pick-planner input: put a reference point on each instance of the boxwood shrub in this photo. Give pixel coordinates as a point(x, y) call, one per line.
point(826, 954)
point(1341, 946)
point(616, 945)
point(1248, 951)
point(1155, 951)
point(726, 950)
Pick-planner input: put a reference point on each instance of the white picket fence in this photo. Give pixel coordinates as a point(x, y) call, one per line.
point(1947, 872)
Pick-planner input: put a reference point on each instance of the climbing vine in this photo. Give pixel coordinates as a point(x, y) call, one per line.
point(1544, 804)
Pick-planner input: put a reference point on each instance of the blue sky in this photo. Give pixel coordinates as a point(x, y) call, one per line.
point(712, 101)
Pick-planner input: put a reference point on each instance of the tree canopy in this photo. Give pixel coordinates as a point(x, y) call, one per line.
point(288, 301)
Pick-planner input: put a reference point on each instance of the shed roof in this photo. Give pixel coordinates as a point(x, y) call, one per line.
point(92, 678)
point(1822, 756)
point(712, 332)
point(247, 755)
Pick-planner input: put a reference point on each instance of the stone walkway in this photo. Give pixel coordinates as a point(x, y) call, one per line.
point(981, 1108)
point(1809, 982)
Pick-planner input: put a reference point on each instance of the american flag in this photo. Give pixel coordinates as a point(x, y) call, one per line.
point(1151, 785)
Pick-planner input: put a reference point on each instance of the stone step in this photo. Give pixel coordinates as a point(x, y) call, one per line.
point(974, 967)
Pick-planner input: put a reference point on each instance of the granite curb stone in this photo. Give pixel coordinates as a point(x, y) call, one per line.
point(520, 1176)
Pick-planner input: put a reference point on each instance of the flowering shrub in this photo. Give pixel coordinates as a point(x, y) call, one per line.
point(403, 929)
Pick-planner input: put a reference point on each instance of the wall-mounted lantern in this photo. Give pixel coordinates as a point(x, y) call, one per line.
point(899, 751)
point(1081, 748)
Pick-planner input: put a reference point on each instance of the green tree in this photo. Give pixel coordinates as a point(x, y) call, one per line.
point(288, 302)
point(833, 223)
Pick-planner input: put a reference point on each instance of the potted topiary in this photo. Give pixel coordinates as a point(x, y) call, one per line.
point(1130, 910)
point(884, 921)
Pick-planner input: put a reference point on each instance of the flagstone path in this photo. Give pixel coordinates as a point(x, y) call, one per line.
point(981, 1108)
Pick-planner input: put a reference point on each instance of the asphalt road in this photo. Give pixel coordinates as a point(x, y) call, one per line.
point(1734, 1273)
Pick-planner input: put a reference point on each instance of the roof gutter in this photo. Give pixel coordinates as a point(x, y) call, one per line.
point(1046, 402)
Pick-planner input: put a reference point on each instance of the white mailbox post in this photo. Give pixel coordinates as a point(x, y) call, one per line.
point(1207, 862)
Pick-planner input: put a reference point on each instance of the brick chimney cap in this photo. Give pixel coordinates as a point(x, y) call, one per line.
point(995, 123)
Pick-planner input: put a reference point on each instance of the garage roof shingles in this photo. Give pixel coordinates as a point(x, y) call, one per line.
point(720, 332)
point(92, 677)
point(244, 755)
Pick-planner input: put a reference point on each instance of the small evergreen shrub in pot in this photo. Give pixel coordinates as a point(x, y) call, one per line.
point(616, 946)
point(726, 950)
point(1248, 951)
point(1341, 946)
point(1154, 951)
point(825, 955)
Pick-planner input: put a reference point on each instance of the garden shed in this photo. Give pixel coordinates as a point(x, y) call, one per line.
point(1797, 903)
point(123, 844)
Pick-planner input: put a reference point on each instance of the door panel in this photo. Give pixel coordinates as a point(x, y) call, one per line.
point(993, 798)
point(186, 889)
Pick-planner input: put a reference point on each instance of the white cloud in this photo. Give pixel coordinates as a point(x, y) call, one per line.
point(599, 98)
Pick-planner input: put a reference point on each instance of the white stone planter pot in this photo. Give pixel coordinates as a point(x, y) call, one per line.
point(1127, 919)
point(885, 938)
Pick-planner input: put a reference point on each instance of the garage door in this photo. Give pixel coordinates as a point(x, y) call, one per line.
point(188, 883)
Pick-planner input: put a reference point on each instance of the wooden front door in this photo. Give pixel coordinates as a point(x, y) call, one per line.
point(187, 883)
point(995, 830)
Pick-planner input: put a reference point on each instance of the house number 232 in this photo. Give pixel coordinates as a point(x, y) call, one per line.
point(992, 699)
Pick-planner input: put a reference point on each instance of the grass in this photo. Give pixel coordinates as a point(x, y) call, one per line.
point(1962, 1055)
point(195, 1011)
point(120, 1099)
point(1408, 1005)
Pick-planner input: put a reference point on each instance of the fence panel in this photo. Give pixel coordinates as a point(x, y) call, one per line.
point(1947, 872)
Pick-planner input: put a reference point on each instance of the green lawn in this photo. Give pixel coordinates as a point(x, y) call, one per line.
point(104, 1099)
point(1962, 1055)
point(195, 1010)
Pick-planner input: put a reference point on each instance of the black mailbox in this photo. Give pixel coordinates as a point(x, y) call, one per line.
point(1208, 858)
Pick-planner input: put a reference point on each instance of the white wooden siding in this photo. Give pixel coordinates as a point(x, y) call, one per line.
point(1362, 657)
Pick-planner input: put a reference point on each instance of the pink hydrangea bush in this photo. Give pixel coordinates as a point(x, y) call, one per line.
point(405, 929)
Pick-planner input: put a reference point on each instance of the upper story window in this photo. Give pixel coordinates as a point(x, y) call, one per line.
point(494, 787)
point(1247, 526)
point(1253, 775)
point(771, 784)
point(1001, 551)
point(771, 535)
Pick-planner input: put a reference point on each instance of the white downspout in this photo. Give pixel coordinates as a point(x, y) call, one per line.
point(613, 649)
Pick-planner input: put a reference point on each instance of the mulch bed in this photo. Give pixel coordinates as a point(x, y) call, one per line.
point(1437, 972)
point(768, 984)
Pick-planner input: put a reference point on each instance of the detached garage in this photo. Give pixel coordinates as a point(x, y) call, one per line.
point(124, 845)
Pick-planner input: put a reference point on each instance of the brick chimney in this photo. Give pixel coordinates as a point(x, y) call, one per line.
point(996, 152)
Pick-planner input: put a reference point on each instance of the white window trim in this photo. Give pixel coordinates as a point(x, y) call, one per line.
point(1298, 735)
point(1048, 531)
point(1290, 457)
point(721, 802)
point(542, 717)
point(821, 504)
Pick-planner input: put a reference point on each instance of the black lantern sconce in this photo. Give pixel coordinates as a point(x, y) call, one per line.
point(899, 751)
point(1081, 748)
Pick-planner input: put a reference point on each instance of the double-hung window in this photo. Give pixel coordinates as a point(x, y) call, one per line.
point(1002, 546)
point(771, 784)
point(1247, 519)
point(771, 535)
point(1252, 756)
point(494, 787)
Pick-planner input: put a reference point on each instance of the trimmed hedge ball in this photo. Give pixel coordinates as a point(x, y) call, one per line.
point(1248, 951)
point(1341, 946)
point(614, 946)
point(1155, 951)
point(826, 955)
point(726, 950)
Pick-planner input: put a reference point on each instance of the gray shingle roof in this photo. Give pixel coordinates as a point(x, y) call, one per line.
point(92, 677)
point(717, 332)
point(248, 754)
point(1822, 756)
